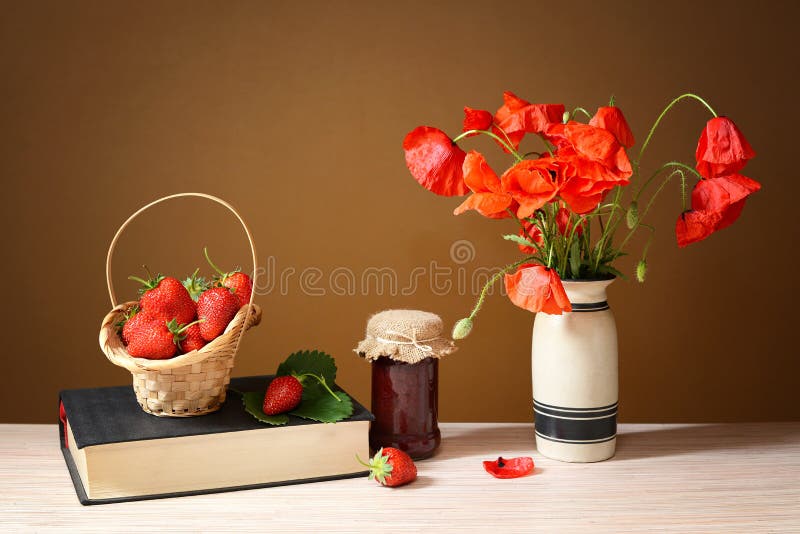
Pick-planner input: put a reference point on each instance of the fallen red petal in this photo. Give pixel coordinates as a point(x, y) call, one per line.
point(509, 467)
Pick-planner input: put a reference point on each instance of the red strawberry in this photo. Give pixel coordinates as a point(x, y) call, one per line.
point(392, 467)
point(193, 340)
point(215, 308)
point(283, 395)
point(167, 299)
point(134, 321)
point(155, 339)
point(236, 281)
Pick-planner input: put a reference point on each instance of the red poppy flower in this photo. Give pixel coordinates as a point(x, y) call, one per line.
point(716, 204)
point(435, 161)
point(509, 467)
point(477, 119)
point(532, 183)
point(538, 289)
point(565, 225)
point(487, 198)
point(594, 151)
point(612, 119)
point(516, 117)
point(722, 149)
point(532, 233)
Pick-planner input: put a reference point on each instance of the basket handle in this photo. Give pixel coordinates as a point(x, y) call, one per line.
point(113, 245)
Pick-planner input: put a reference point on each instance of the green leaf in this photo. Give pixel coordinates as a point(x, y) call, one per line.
point(575, 259)
point(519, 240)
point(607, 269)
point(253, 402)
point(309, 361)
point(319, 405)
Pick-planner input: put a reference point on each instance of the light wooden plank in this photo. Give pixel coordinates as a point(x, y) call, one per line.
point(676, 478)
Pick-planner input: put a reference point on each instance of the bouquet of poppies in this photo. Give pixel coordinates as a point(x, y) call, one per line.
point(570, 197)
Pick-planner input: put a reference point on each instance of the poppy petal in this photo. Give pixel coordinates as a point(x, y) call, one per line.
point(435, 161)
point(611, 118)
point(537, 289)
point(487, 204)
point(722, 149)
point(509, 467)
point(477, 119)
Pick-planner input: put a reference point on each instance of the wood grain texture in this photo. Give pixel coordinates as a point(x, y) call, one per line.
point(677, 478)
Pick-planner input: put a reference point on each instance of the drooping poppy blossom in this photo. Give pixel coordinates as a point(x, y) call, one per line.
point(532, 233)
point(532, 183)
point(487, 196)
point(537, 289)
point(722, 149)
point(477, 119)
point(716, 204)
point(435, 161)
point(611, 118)
point(509, 467)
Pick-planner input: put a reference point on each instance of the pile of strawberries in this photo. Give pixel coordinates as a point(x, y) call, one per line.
point(174, 317)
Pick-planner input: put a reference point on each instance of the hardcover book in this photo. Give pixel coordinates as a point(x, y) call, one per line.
point(116, 452)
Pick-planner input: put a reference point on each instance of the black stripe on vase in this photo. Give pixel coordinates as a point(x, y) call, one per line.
point(589, 306)
point(576, 425)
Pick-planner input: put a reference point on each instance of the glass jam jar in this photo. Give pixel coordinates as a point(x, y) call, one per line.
point(405, 404)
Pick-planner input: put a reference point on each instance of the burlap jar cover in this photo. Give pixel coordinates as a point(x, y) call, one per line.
point(408, 336)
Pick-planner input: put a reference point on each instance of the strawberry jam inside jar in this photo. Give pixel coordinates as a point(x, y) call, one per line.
point(404, 347)
point(405, 402)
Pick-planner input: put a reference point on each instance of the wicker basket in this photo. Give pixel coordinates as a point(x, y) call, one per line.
point(190, 384)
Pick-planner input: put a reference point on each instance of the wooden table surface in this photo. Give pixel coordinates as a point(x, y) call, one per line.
point(681, 478)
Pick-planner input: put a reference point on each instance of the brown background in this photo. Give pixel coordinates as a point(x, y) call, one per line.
point(295, 113)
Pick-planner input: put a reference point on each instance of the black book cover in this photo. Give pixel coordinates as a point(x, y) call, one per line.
point(111, 415)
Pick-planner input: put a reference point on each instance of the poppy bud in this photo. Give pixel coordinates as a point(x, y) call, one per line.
point(462, 328)
point(641, 270)
point(632, 217)
point(565, 117)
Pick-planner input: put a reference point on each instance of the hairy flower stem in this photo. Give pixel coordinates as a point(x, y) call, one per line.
point(492, 281)
point(495, 137)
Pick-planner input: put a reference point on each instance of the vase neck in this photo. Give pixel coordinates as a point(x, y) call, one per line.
point(586, 291)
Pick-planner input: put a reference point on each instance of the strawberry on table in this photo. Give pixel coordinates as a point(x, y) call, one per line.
point(391, 467)
point(283, 395)
point(215, 308)
point(239, 283)
point(166, 298)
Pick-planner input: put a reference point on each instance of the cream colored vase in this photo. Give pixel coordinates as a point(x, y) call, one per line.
point(575, 380)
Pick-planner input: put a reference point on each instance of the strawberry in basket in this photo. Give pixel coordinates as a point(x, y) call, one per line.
point(215, 308)
point(155, 339)
point(239, 283)
point(165, 298)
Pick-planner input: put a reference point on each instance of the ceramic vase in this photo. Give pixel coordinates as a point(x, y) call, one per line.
point(575, 377)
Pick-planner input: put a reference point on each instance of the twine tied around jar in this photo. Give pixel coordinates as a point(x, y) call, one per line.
point(408, 336)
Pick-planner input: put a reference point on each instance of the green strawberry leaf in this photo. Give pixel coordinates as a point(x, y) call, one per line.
point(319, 405)
point(309, 361)
point(253, 402)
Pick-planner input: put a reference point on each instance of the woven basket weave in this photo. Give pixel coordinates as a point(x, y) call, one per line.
point(190, 384)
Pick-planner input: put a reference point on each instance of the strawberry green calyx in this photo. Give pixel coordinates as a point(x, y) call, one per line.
point(179, 331)
point(195, 285)
point(379, 466)
point(320, 379)
point(221, 275)
point(151, 282)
